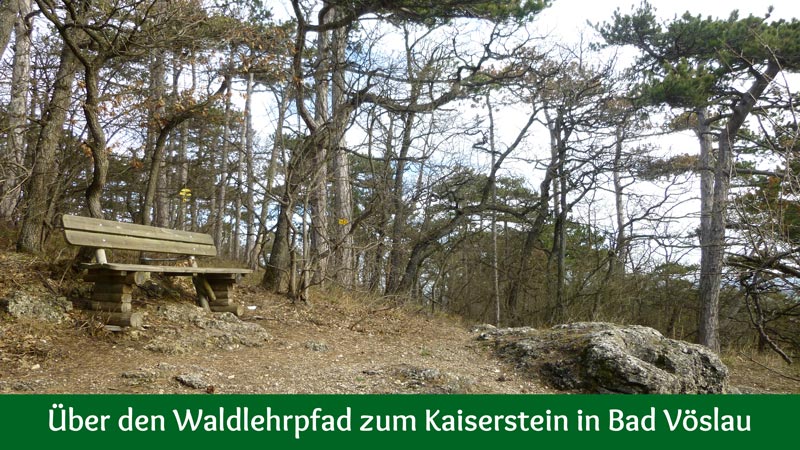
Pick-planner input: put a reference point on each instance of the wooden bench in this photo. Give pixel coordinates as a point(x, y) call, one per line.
point(113, 282)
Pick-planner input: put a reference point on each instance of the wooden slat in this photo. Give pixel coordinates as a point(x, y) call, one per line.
point(222, 295)
point(110, 277)
point(106, 288)
point(132, 230)
point(124, 319)
point(125, 268)
point(222, 291)
point(105, 297)
point(113, 241)
point(109, 306)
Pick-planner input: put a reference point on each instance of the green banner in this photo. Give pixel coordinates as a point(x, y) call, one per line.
point(466, 421)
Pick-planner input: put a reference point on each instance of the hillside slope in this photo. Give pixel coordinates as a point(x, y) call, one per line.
point(338, 343)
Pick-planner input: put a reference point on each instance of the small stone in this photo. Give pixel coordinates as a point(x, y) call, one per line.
point(36, 367)
point(316, 346)
point(140, 376)
point(192, 380)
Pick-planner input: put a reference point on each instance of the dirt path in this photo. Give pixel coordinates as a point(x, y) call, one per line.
point(340, 345)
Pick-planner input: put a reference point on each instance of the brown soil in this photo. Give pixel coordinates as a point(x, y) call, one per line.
point(338, 343)
point(335, 344)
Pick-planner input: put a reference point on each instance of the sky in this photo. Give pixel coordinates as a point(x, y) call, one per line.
point(564, 22)
point(566, 18)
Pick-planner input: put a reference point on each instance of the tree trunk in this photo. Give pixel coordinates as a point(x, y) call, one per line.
point(235, 247)
point(279, 275)
point(250, 255)
point(711, 268)
point(222, 186)
point(342, 190)
point(277, 272)
point(183, 147)
point(152, 205)
point(621, 245)
point(495, 268)
point(17, 113)
point(97, 141)
point(279, 266)
point(533, 235)
point(8, 11)
point(277, 148)
point(44, 162)
point(318, 172)
point(183, 176)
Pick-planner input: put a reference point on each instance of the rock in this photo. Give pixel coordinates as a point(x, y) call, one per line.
point(179, 312)
point(192, 380)
point(165, 367)
point(209, 330)
point(602, 357)
point(316, 346)
point(226, 331)
point(23, 386)
point(47, 309)
point(430, 380)
point(417, 374)
point(168, 346)
point(140, 376)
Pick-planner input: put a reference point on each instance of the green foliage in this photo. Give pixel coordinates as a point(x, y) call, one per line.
point(653, 168)
point(680, 85)
point(691, 61)
point(430, 13)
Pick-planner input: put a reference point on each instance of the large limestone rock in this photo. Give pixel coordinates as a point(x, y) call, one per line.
point(602, 357)
point(46, 308)
point(201, 329)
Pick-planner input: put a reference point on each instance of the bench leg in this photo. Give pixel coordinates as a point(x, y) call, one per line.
point(222, 287)
point(111, 297)
point(204, 291)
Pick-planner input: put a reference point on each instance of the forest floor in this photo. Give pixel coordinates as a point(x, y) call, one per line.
point(339, 342)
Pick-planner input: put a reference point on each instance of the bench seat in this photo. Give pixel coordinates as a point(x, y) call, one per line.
point(165, 269)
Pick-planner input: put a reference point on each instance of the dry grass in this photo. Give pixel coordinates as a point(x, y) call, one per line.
point(762, 372)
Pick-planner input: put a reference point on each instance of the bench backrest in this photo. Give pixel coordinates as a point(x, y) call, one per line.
point(98, 233)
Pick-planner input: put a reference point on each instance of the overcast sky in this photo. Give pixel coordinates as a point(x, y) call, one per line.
point(566, 18)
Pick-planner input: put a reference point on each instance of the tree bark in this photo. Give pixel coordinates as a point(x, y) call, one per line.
point(711, 268)
point(318, 200)
point(222, 186)
point(8, 11)
point(398, 205)
point(533, 235)
point(342, 190)
point(495, 268)
point(236, 225)
point(621, 245)
point(183, 146)
point(97, 141)
point(279, 266)
point(17, 112)
point(251, 256)
point(152, 207)
point(44, 162)
point(277, 148)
